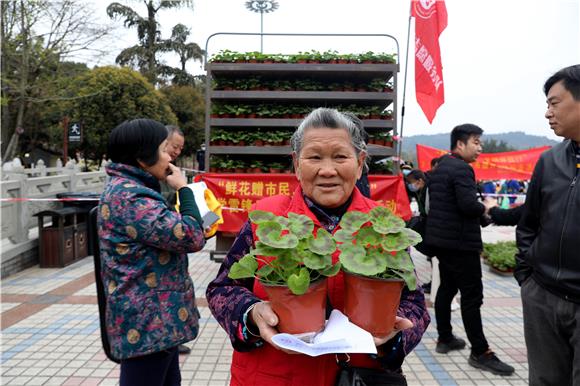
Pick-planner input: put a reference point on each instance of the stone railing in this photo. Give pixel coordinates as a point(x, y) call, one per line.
point(39, 183)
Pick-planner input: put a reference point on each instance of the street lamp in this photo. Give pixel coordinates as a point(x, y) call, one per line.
point(261, 7)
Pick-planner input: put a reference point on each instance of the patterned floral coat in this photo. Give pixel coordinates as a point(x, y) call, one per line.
point(144, 245)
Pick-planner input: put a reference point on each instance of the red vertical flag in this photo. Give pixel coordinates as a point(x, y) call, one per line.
point(430, 20)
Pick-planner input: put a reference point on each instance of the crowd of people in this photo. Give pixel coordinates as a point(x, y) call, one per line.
point(145, 238)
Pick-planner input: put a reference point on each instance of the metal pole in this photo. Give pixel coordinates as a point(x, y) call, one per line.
point(65, 140)
point(261, 32)
point(405, 85)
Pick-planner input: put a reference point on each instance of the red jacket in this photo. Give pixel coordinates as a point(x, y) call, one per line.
point(267, 366)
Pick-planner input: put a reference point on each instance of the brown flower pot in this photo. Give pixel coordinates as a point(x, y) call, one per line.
point(299, 313)
point(372, 303)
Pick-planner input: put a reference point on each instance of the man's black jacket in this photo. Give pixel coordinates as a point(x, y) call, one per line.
point(454, 215)
point(510, 216)
point(548, 235)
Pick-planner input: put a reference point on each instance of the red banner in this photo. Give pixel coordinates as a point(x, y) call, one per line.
point(237, 193)
point(430, 20)
point(512, 165)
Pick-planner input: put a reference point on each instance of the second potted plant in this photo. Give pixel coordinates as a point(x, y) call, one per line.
point(376, 265)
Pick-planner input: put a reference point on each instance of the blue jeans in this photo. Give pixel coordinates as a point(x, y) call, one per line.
point(157, 369)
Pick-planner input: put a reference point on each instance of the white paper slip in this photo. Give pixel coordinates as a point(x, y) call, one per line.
point(339, 336)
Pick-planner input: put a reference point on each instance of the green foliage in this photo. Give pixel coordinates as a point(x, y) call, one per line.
point(228, 56)
point(374, 245)
point(143, 56)
point(493, 146)
point(501, 255)
point(108, 96)
point(188, 104)
point(296, 255)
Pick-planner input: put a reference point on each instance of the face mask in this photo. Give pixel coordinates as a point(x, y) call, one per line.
point(412, 188)
point(406, 172)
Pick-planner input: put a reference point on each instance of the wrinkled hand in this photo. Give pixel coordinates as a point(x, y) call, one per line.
point(400, 325)
point(266, 320)
point(176, 179)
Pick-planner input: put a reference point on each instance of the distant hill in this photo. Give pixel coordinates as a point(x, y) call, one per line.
point(516, 139)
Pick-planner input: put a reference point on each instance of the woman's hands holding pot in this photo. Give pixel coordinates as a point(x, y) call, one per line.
point(400, 325)
point(264, 317)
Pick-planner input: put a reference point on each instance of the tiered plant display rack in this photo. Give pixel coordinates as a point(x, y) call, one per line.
point(255, 101)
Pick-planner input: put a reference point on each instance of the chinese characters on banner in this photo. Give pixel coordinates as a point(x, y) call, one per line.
point(513, 165)
point(237, 192)
point(430, 20)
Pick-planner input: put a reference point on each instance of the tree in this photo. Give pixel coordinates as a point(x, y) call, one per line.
point(143, 56)
point(493, 146)
point(188, 104)
point(108, 96)
point(186, 51)
point(36, 36)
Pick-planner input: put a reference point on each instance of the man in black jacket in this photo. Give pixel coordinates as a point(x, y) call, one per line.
point(548, 238)
point(454, 233)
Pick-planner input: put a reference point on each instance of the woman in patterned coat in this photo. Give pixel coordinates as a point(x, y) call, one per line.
point(144, 245)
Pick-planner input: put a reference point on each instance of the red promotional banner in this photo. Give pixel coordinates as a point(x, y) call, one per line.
point(237, 192)
point(430, 20)
point(512, 165)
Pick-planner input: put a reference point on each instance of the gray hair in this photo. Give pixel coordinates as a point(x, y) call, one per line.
point(172, 129)
point(333, 119)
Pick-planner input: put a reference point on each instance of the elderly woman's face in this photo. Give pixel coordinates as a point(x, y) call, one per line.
point(328, 167)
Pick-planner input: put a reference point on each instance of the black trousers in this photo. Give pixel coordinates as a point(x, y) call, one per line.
point(157, 369)
point(460, 270)
point(552, 336)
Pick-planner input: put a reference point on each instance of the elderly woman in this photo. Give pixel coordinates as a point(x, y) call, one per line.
point(144, 244)
point(328, 154)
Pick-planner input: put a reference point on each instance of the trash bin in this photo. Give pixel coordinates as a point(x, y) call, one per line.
point(64, 241)
point(84, 201)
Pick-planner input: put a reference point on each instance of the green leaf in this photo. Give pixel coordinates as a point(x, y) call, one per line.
point(265, 271)
point(410, 279)
point(298, 284)
point(244, 268)
point(270, 233)
point(315, 261)
point(300, 225)
point(261, 216)
point(322, 243)
point(266, 250)
point(394, 241)
point(343, 236)
point(332, 270)
point(413, 238)
point(355, 259)
point(384, 221)
point(368, 236)
point(405, 261)
point(352, 221)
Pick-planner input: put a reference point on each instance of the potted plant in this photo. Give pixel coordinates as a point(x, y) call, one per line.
point(291, 262)
point(500, 257)
point(276, 167)
point(376, 265)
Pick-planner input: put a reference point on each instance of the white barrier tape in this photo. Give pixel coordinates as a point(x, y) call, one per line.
point(503, 195)
point(24, 199)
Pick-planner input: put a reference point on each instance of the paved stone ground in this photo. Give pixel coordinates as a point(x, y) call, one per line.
point(50, 331)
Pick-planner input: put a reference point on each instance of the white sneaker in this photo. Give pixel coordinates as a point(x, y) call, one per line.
point(455, 305)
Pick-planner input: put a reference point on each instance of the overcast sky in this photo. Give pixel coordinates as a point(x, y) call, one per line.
point(496, 54)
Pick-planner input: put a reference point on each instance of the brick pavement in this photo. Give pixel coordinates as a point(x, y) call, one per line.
point(50, 331)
